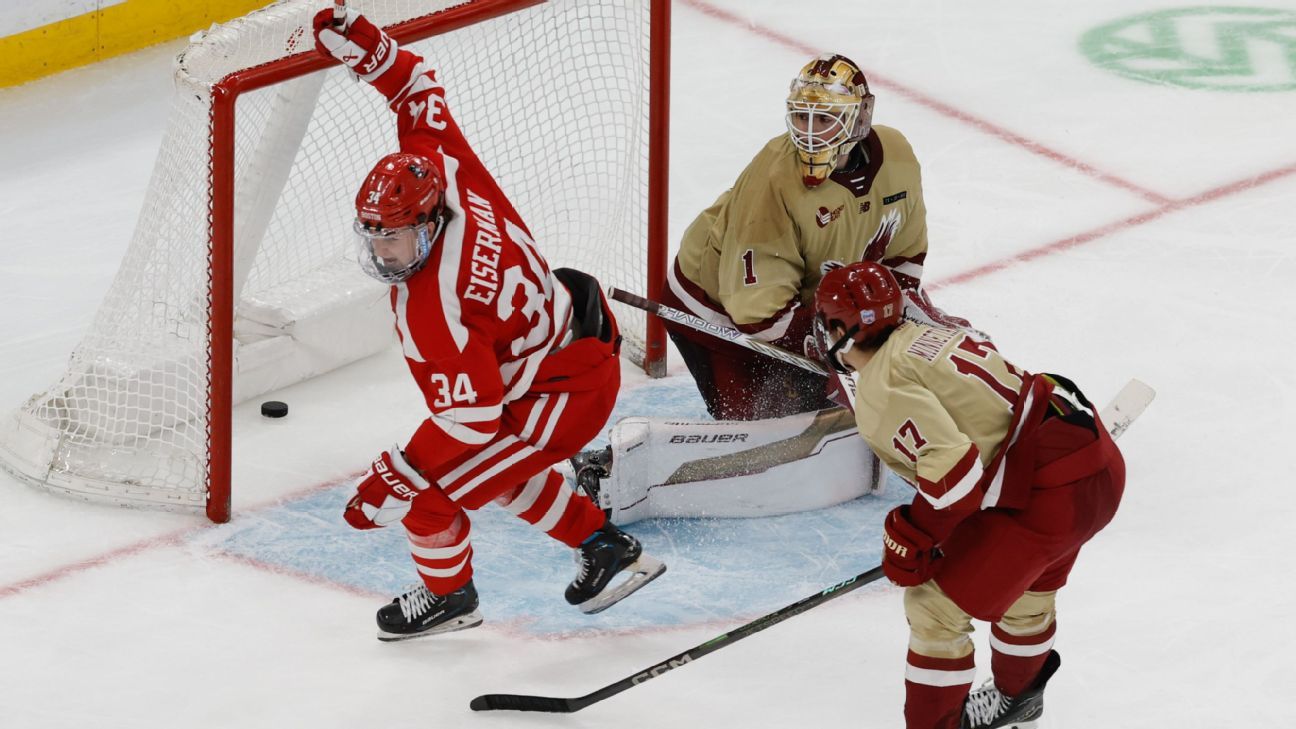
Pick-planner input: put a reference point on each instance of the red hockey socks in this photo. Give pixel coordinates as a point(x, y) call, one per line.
point(1017, 659)
point(548, 503)
point(935, 689)
point(444, 559)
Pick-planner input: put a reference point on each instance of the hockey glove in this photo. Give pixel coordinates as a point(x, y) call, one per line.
point(383, 496)
point(359, 44)
point(908, 554)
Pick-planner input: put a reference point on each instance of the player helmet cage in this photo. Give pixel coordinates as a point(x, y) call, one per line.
point(863, 299)
point(829, 108)
point(400, 210)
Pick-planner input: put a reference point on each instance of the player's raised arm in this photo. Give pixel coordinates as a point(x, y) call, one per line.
point(410, 87)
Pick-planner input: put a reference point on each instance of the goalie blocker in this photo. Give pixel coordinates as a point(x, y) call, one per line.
point(678, 468)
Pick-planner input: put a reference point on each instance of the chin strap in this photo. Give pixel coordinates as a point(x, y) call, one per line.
point(840, 347)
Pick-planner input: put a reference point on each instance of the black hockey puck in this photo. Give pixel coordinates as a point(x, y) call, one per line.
point(274, 409)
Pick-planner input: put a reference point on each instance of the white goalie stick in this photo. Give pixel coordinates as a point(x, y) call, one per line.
point(845, 383)
point(1128, 404)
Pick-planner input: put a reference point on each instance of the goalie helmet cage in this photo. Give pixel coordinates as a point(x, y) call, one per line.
point(241, 261)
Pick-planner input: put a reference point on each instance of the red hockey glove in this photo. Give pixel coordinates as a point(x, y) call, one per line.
point(907, 552)
point(383, 496)
point(360, 45)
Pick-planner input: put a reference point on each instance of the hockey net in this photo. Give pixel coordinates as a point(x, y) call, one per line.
point(240, 278)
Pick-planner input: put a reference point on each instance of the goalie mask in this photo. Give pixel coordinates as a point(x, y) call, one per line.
point(864, 300)
point(829, 108)
point(400, 211)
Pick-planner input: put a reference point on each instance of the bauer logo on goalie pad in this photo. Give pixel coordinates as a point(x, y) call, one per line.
point(712, 438)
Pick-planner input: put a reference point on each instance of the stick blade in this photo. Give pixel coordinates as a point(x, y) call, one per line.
point(516, 702)
point(1128, 404)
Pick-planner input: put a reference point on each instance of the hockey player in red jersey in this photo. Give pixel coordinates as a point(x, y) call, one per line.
point(1013, 471)
point(518, 363)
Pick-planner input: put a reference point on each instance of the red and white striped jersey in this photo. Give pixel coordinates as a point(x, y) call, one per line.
point(477, 320)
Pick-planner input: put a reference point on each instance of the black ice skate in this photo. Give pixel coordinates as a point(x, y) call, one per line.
point(591, 467)
point(419, 613)
point(986, 708)
point(600, 558)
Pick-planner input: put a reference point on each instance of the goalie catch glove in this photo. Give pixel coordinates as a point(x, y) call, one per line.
point(383, 496)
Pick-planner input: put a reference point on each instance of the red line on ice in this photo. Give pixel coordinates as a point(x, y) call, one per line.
point(129, 550)
point(1117, 226)
point(165, 540)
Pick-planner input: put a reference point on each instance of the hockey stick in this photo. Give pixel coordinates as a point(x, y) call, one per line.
point(517, 702)
point(1123, 410)
point(729, 334)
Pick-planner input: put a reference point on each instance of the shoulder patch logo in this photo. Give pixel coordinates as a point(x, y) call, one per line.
point(825, 216)
point(895, 198)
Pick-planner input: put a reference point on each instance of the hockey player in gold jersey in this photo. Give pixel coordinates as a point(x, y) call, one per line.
point(834, 190)
point(1013, 471)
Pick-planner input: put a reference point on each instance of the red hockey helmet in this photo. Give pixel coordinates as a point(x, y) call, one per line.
point(399, 211)
point(862, 298)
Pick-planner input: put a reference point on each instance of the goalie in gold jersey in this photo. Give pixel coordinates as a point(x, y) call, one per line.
point(1013, 473)
point(834, 190)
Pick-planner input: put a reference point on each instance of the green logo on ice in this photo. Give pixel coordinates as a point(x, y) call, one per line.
point(1223, 48)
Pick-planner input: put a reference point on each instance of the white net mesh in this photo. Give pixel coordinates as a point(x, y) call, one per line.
point(555, 100)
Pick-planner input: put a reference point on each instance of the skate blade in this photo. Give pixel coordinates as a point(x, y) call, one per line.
point(642, 571)
point(463, 622)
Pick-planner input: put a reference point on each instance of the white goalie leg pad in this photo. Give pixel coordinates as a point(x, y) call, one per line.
point(678, 468)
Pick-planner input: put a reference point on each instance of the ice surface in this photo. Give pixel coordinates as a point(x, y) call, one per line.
point(1155, 226)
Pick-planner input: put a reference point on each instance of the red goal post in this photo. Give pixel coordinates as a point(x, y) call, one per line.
point(247, 287)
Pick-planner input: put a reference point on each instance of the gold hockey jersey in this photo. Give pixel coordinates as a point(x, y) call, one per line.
point(944, 410)
point(762, 247)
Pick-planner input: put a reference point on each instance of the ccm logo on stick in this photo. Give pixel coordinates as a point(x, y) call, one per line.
point(661, 668)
